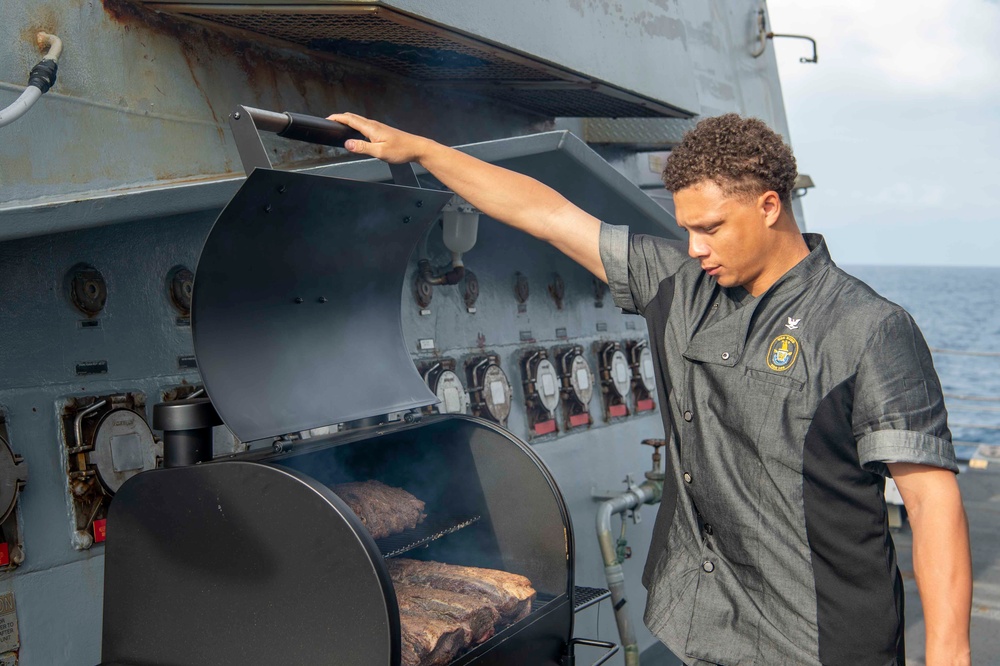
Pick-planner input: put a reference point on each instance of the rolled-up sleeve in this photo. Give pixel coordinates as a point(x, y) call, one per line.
point(636, 264)
point(899, 413)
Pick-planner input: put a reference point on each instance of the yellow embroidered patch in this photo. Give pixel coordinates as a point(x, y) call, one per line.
point(782, 353)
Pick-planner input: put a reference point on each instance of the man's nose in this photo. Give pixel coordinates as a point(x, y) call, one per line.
point(697, 248)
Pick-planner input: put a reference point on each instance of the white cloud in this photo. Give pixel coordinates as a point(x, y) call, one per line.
point(934, 47)
point(898, 124)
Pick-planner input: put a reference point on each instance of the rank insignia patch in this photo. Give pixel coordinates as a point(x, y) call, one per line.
point(782, 353)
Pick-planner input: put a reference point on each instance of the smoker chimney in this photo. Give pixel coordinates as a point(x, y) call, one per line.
point(187, 430)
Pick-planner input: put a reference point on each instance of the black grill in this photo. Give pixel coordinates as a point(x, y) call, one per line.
point(254, 558)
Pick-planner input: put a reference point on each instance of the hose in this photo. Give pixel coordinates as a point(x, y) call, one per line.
point(41, 78)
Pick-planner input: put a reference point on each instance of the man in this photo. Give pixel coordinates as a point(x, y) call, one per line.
point(789, 391)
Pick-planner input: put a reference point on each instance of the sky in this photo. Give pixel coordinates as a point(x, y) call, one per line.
point(898, 125)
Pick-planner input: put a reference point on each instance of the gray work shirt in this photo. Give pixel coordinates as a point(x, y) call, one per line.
point(771, 544)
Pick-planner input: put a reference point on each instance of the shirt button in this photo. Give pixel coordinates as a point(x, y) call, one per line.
point(688, 416)
point(708, 566)
point(687, 477)
point(725, 356)
point(708, 529)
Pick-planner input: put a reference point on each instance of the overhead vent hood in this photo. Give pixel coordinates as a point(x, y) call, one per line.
point(434, 54)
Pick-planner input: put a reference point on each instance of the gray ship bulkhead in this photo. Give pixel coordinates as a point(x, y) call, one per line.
point(110, 184)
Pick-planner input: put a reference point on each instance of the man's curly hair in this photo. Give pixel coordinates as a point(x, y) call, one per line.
point(743, 156)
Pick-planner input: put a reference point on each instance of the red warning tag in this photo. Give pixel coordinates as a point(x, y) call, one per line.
point(617, 410)
point(579, 419)
point(545, 427)
point(100, 530)
point(645, 405)
point(4, 554)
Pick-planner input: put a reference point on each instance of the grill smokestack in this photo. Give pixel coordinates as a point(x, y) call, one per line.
point(187, 430)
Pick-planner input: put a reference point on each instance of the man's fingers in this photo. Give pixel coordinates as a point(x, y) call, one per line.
point(354, 121)
point(358, 146)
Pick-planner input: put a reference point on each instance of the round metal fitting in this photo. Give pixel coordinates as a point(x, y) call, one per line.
point(521, 291)
point(123, 447)
point(423, 291)
point(688, 416)
point(88, 290)
point(471, 289)
point(180, 286)
point(687, 477)
point(725, 356)
point(708, 566)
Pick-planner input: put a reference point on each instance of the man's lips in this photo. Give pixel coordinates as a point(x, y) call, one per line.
point(711, 270)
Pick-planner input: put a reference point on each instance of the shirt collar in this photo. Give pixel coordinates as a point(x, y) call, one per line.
point(724, 341)
point(814, 263)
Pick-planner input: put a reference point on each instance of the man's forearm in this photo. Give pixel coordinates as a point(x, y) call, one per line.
point(507, 196)
point(941, 562)
point(519, 201)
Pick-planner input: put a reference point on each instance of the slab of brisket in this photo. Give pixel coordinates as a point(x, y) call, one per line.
point(510, 594)
point(476, 612)
point(430, 639)
point(384, 510)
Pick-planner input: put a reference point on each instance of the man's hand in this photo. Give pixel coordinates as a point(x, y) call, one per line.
point(384, 142)
point(506, 196)
point(941, 559)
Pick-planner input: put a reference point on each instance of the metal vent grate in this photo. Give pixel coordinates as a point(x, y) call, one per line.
point(425, 52)
point(377, 41)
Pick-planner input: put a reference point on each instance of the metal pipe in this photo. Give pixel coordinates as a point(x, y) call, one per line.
point(42, 77)
point(649, 492)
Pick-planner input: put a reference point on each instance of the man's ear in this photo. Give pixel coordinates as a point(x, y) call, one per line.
point(770, 207)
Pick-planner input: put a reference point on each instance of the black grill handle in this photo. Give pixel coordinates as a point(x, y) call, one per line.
point(569, 659)
point(246, 123)
point(312, 129)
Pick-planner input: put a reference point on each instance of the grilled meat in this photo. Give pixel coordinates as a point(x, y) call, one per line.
point(510, 594)
point(474, 611)
point(384, 510)
point(431, 639)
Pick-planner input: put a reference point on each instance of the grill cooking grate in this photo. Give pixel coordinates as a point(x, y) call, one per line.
point(584, 597)
point(429, 530)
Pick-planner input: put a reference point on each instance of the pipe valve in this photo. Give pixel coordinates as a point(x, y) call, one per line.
point(655, 474)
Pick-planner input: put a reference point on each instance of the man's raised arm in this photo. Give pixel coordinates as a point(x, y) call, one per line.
point(507, 196)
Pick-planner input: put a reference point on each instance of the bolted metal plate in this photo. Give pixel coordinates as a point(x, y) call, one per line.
point(547, 384)
point(581, 379)
point(297, 299)
point(449, 390)
point(647, 374)
point(497, 392)
point(620, 373)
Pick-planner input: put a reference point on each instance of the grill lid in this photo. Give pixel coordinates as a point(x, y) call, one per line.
point(296, 302)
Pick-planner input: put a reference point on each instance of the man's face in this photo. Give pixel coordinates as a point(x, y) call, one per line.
point(727, 233)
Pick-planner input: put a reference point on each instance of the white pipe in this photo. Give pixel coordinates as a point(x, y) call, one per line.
point(31, 93)
point(20, 106)
point(44, 39)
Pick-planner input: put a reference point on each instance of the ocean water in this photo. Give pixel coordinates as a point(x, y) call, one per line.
point(957, 309)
